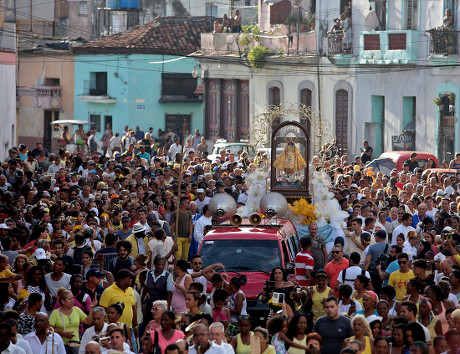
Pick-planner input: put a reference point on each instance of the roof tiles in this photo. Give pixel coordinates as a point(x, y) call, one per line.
point(163, 35)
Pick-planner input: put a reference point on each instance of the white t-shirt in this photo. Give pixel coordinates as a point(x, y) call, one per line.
point(351, 274)
point(398, 230)
point(343, 309)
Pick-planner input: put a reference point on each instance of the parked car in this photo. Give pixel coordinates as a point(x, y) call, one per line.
point(234, 147)
point(253, 251)
point(395, 159)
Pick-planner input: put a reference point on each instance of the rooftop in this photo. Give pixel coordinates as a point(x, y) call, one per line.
point(163, 35)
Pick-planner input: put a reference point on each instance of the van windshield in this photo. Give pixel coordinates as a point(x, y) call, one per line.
point(242, 255)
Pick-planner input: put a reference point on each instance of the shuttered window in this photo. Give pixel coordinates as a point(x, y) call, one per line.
point(411, 14)
point(341, 119)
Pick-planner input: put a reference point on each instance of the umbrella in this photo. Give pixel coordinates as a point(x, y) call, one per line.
point(383, 165)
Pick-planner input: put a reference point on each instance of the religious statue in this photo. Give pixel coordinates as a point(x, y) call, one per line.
point(290, 160)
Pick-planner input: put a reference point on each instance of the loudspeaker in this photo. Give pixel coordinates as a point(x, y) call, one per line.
point(222, 206)
point(236, 220)
point(273, 204)
point(255, 219)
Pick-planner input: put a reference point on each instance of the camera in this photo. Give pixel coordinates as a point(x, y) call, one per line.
point(383, 260)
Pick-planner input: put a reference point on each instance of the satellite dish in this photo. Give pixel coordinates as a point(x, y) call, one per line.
point(371, 22)
point(274, 204)
point(222, 206)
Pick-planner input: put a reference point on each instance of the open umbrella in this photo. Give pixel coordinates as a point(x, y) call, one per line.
point(383, 165)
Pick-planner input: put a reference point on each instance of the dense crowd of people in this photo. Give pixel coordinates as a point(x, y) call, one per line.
point(99, 254)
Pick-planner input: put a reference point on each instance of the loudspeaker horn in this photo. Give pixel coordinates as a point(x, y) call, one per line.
point(236, 220)
point(222, 206)
point(255, 219)
point(273, 204)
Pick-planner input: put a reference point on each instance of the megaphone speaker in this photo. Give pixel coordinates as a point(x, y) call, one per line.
point(255, 219)
point(236, 220)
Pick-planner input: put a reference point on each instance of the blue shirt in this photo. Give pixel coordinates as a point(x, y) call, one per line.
point(416, 220)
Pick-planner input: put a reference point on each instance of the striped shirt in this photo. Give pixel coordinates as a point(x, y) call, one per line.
point(303, 261)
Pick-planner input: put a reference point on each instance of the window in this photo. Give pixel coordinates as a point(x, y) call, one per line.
point(176, 87)
point(341, 119)
point(98, 84)
point(52, 82)
point(108, 120)
point(95, 119)
point(305, 99)
point(83, 8)
point(211, 10)
point(274, 96)
point(172, 121)
point(411, 14)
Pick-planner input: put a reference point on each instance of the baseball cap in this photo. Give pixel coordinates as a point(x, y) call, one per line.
point(114, 196)
point(40, 254)
point(200, 190)
point(94, 273)
point(125, 218)
point(4, 226)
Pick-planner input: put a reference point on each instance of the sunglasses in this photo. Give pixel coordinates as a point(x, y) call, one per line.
point(197, 263)
point(335, 252)
point(402, 262)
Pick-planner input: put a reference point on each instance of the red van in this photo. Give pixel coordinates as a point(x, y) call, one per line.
point(253, 251)
point(399, 157)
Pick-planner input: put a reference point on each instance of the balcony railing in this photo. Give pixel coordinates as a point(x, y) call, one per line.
point(48, 97)
point(230, 43)
point(336, 44)
point(443, 41)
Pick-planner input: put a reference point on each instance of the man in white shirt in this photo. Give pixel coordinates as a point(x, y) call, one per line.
point(161, 245)
point(201, 223)
point(216, 334)
point(99, 328)
point(57, 279)
point(42, 342)
point(347, 276)
point(201, 339)
point(175, 148)
point(404, 228)
point(202, 200)
point(117, 339)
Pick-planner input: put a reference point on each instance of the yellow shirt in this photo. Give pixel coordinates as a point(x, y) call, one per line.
point(399, 281)
point(6, 273)
point(114, 294)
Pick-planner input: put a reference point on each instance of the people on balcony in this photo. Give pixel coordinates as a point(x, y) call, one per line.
point(347, 34)
point(236, 25)
point(448, 20)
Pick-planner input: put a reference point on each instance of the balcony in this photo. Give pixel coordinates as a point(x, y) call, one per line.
point(231, 43)
point(47, 97)
point(443, 46)
point(96, 92)
point(388, 47)
point(338, 53)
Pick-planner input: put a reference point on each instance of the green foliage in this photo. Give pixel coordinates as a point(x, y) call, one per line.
point(281, 52)
point(251, 30)
point(437, 101)
point(244, 39)
point(451, 98)
point(291, 20)
point(257, 56)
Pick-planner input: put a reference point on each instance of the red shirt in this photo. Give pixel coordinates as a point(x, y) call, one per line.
point(303, 261)
point(333, 270)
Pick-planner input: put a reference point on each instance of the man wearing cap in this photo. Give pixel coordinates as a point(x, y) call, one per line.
point(202, 200)
point(138, 240)
point(92, 286)
point(373, 253)
point(57, 278)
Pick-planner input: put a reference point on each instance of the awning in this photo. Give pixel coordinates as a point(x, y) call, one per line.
point(200, 90)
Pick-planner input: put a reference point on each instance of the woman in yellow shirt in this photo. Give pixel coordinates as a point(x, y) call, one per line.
point(318, 294)
point(363, 335)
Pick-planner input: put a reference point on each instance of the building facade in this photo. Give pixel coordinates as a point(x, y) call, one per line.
point(377, 85)
point(141, 77)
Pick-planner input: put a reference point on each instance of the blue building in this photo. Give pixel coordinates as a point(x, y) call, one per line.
point(142, 77)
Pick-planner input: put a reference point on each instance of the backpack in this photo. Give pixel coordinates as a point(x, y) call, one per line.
point(363, 272)
point(78, 253)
